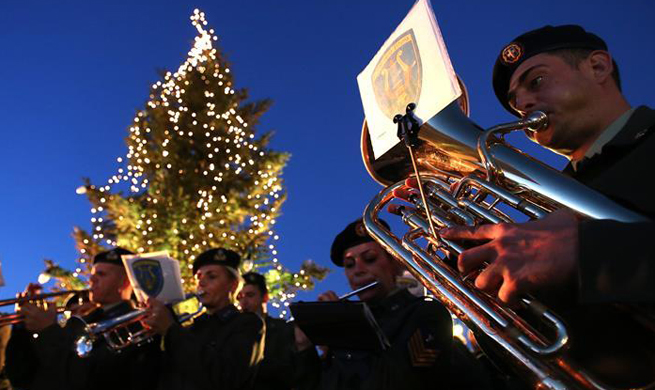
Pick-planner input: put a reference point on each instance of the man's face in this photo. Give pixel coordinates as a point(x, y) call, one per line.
point(366, 263)
point(545, 82)
point(251, 299)
point(214, 283)
point(108, 281)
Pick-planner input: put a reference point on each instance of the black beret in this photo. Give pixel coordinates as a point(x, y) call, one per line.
point(218, 256)
point(535, 42)
point(354, 234)
point(112, 256)
point(257, 280)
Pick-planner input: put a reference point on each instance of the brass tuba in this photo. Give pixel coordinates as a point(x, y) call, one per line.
point(471, 176)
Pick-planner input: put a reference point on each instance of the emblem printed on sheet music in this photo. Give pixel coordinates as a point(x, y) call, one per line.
point(149, 275)
point(397, 77)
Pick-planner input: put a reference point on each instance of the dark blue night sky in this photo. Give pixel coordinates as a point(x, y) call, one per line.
point(74, 73)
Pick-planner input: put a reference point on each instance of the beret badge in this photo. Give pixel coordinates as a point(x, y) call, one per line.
point(220, 255)
point(354, 234)
point(360, 230)
point(112, 256)
point(511, 53)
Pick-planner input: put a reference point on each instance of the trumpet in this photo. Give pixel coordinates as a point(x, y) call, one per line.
point(124, 330)
point(471, 176)
point(39, 299)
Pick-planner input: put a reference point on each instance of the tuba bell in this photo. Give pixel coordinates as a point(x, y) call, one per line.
point(472, 176)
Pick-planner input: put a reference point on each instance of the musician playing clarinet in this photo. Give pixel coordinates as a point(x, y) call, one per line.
point(418, 328)
point(223, 347)
point(607, 267)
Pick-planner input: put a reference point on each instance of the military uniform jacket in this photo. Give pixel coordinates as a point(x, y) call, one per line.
point(277, 370)
point(218, 351)
point(420, 333)
point(24, 366)
point(5, 333)
point(617, 260)
point(49, 361)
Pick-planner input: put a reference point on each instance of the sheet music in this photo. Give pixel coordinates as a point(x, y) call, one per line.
point(154, 275)
point(412, 66)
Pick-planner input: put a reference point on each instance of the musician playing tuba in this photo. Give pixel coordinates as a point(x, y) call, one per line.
point(569, 74)
point(49, 360)
point(223, 347)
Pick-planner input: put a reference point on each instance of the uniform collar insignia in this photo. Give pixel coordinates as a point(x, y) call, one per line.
point(227, 313)
point(641, 133)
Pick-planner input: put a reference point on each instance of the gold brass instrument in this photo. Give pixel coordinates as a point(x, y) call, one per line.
point(39, 299)
point(124, 330)
point(471, 177)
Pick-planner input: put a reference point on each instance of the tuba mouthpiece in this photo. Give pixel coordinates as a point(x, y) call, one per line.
point(536, 121)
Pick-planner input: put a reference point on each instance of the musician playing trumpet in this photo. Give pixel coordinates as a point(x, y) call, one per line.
point(49, 361)
point(223, 347)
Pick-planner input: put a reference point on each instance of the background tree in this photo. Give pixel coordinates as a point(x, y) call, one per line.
point(195, 177)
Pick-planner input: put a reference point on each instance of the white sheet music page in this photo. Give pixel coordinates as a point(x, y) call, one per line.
point(412, 66)
point(154, 275)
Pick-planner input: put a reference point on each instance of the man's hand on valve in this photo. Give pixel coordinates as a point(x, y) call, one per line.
point(36, 318)
point(523, 257)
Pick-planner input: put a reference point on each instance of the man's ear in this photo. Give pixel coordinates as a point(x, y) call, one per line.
point(265, 298)
point(126, 281)
point(601, 65)
point(125, 287)
point(236, 286)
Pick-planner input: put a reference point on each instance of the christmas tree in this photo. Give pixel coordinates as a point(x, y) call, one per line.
point(196, 177)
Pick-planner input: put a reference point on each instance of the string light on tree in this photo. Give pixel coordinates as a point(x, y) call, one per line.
point(196, 175)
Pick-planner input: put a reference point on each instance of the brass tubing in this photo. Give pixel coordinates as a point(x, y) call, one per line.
point(439, 279)
point(38, 297)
